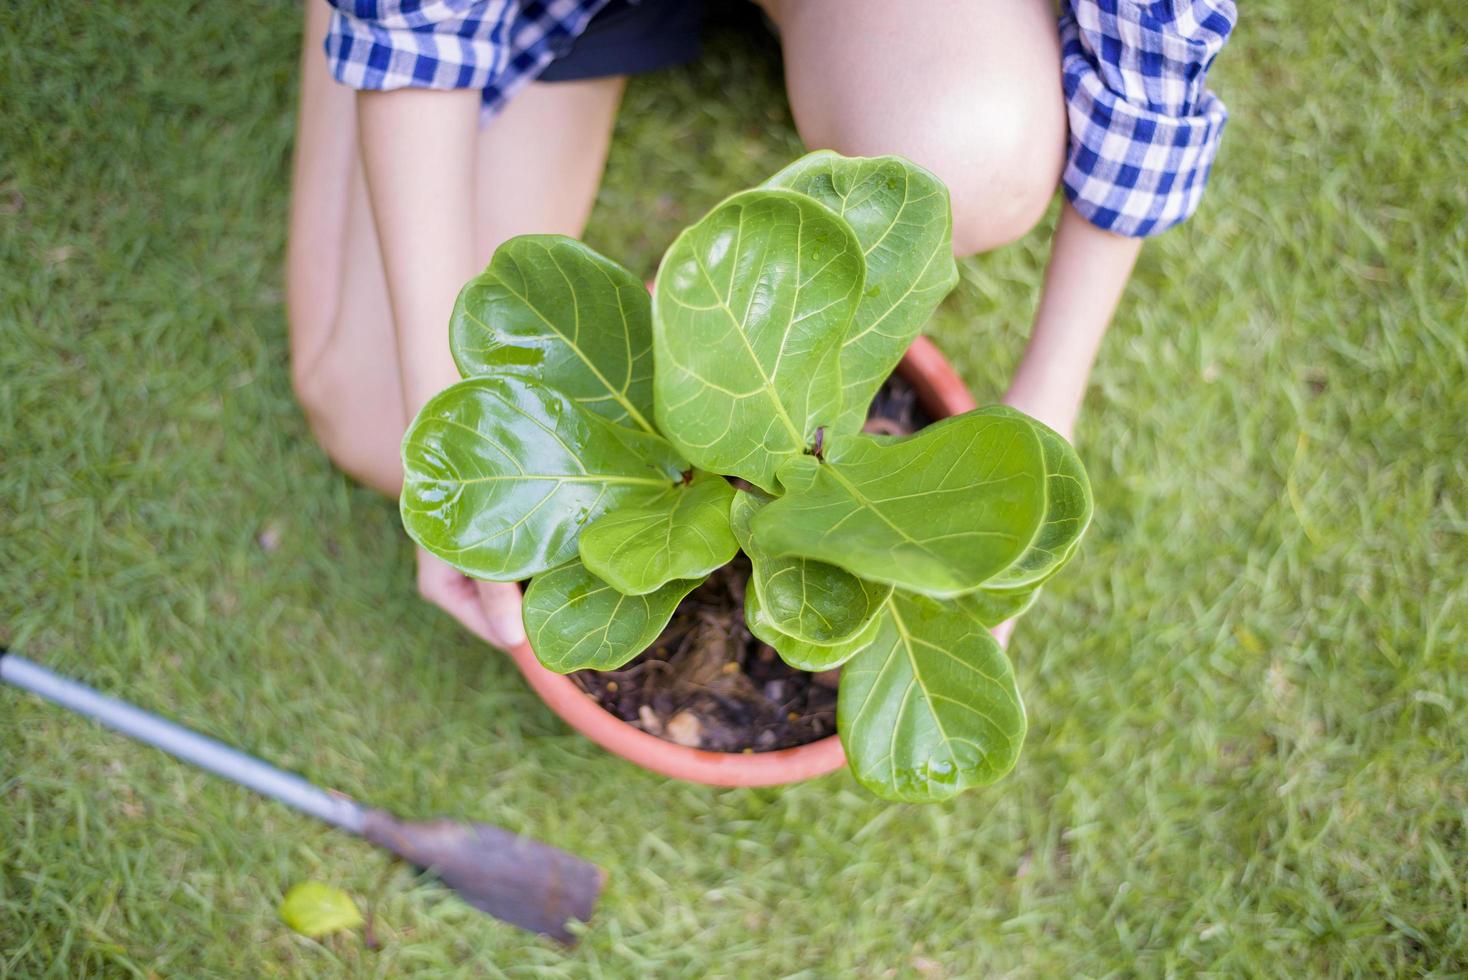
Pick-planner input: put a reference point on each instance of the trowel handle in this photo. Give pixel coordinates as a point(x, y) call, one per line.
point(190, 746)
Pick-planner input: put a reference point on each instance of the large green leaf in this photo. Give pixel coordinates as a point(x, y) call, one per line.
point(575, 621)
point(683, 533)
point(551, 309)
point(801, 654)
point(938, 512)
point(500, 475)
point(901, 216)
point(1067, 512)
point(807, 600)
point(930, 708)
point(749, 311)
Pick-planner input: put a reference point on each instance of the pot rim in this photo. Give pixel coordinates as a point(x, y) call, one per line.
point(942, 394)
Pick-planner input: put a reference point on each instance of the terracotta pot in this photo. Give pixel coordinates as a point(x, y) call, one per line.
point(941, 393)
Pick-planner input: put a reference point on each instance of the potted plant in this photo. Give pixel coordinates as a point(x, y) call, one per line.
point(618, 449)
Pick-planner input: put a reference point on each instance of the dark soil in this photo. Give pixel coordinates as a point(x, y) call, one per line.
point(706, 682)
point(895, 410)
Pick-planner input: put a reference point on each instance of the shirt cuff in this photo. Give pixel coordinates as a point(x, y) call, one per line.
point(1133, 169)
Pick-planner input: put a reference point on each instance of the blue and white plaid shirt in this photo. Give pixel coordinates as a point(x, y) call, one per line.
point(1143, 127)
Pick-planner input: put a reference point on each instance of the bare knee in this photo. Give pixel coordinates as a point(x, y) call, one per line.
point(317, 394)
point(999, 152)
point(1003, 172)
point(977, 101)
point(361, 439)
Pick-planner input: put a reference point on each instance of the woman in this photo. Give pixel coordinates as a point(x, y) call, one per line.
point(401, 195)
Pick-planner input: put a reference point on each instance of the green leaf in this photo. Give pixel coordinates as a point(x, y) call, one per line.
point(993, 608)
point(500, 475)
point(901, 216)
point(575, 621)
point(749, 311)
point(930, 708)
point(806, 600)
point(683, 533)
point(801, 654)
point(550, 309)
point(1067, 512)
point(938, 512)
point(314, 909)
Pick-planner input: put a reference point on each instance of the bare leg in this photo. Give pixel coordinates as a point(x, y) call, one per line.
point(343, 362)
point(541, 160)
point(969, 90)
point(536, 168)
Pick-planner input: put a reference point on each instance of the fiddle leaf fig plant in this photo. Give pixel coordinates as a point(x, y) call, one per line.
point(616, 448)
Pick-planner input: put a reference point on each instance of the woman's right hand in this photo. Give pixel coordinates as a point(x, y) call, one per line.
point(489, 610)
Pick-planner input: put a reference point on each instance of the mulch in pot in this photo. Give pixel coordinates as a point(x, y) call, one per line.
point(707, 682)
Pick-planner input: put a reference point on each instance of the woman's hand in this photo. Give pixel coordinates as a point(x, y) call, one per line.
point(489, 610)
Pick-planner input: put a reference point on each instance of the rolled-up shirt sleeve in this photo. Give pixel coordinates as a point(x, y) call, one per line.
point(1144, 129)
point(496, 46)
point(441, 44)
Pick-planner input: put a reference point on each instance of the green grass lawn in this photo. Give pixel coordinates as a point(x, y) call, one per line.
point(1246, 697)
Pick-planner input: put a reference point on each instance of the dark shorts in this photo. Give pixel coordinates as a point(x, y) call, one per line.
point(631, 36)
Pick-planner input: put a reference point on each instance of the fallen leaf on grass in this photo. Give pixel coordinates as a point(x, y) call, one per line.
point(315, 910)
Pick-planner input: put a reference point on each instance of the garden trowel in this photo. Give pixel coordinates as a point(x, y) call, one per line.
point(522, 881)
